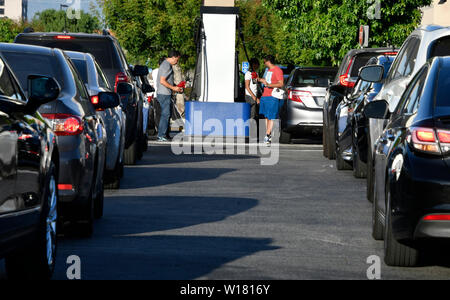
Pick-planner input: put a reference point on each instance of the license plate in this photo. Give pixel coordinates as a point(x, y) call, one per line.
point(320, 101)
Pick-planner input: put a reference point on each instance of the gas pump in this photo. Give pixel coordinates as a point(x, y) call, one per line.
point(216, 80)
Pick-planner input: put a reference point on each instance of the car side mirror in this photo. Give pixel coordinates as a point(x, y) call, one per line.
point(124, 88)
point(147, 88)
point(140, 71)
point(105, 100)
point(42, 89)
point(372, 73)
point(377, 110)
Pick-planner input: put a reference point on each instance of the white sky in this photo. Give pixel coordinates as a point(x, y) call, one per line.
point(35, 6)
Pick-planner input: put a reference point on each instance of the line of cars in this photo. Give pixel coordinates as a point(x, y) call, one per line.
point(392, 126)
point(71, 115)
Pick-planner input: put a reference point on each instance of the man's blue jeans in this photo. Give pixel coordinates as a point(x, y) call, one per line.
point(165, 103)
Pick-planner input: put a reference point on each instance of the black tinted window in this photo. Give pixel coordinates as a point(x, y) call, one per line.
point(360, 61)
point(25, 64)
point(316, 78)
point(7, 87)
point(82, 69)
point(441, 47)
point(443, 88)
point(102, 49)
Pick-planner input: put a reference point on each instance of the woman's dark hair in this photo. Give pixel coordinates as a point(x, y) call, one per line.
point(173, 53)
point(270, 58)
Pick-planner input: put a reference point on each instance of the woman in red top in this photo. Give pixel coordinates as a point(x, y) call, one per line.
point(269, 105)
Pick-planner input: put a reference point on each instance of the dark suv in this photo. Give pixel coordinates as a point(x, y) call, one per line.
point(343, 85)
point(29, 164)
point(111, 58)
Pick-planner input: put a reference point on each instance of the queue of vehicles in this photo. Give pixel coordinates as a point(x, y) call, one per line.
point(391, 124)
point(72, 114)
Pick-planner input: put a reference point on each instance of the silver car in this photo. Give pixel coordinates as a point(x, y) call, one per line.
point(114, 118)
point(424, 43)
point(306, 89)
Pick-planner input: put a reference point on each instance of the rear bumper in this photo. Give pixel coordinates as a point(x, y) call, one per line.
point(422, 190)
point(298, 117)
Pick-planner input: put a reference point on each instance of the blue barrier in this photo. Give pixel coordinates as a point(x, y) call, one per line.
point(217, 119)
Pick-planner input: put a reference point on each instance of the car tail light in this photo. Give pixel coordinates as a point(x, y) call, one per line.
point(65, 124)
point(65, 187)
point(390, 53)
point(344, 80)
point(437, 218)
point(300, 96)
point(430, 140)
point(121, 77)
point(94, 100)
point(64, 37)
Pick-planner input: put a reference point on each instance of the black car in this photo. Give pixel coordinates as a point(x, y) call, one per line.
point(412, 166)
point(111, 58)
point(351, 126)
point(81, 135)
point(29, 164)
point(343, 85)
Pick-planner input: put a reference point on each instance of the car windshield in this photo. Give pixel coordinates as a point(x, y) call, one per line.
point(45, 65)
point(314, 78)
point(81, 68)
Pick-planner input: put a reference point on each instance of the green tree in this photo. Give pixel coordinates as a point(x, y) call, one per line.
point(9, 29)
point(149, 28)
point(325, 30)
point(53, 20)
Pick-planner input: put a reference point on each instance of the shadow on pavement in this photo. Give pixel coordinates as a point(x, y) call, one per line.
point(161, 257)
point(146, 177)
point(128, 242)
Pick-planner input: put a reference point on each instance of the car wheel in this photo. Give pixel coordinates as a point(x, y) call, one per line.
point(359, 167)
point(285, 137)
point(370, 177)
point(130, 155)
point(397, 253)
point(331, 147)
point(99, 202)
point(114, 178)
point(325, 142)
point(377, 225)
point(37, 261)
point(341, 164)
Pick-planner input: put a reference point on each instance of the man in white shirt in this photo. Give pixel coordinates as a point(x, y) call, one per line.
point(251, 88)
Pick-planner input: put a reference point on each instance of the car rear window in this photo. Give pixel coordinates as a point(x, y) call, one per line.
point(46, 65)
point(360, 61)
point(102, 49)
point(315, 78)
point(81, 68)
point(441, 47)
point(443, 96)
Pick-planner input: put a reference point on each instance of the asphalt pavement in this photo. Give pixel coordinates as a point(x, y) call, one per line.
point(229, 217)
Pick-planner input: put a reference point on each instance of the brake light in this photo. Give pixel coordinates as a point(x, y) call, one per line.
point(437, 218)
point(63, 37)
point(300, 96)
point(430, 140)
point(120, 77)
point(344, 80)
point(94, 100)
point(390, 53)
point(65, 187)
point(65, 124)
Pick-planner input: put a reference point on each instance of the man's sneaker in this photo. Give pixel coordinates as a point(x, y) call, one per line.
point(267, 140)
point(162, 139)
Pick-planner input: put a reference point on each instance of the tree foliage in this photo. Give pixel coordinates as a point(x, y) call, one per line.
point(9, 29)
point(148, 29)
point(325, 30)
point(55, 20)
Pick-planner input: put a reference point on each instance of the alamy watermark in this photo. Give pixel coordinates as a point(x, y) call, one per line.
point(73, 9)
point(221, 139)
point(374, 11)
point(374, 270)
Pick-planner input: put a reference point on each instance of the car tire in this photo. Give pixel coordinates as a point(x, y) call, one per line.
point(370, 177)
point(325, 142)
point(285, 137)
point(331, 147)
point(130, 154)
point(114, 178)
point(341, 164)
point(37, 261)
point(377, 224)
point(359, 167)
point(396, 253)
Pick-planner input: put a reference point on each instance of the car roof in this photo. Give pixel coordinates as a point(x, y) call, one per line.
point(79, 35)
point(333, 69)
point(26, 48)
point(371, 50)
point(433, 27)
point(77, 55)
